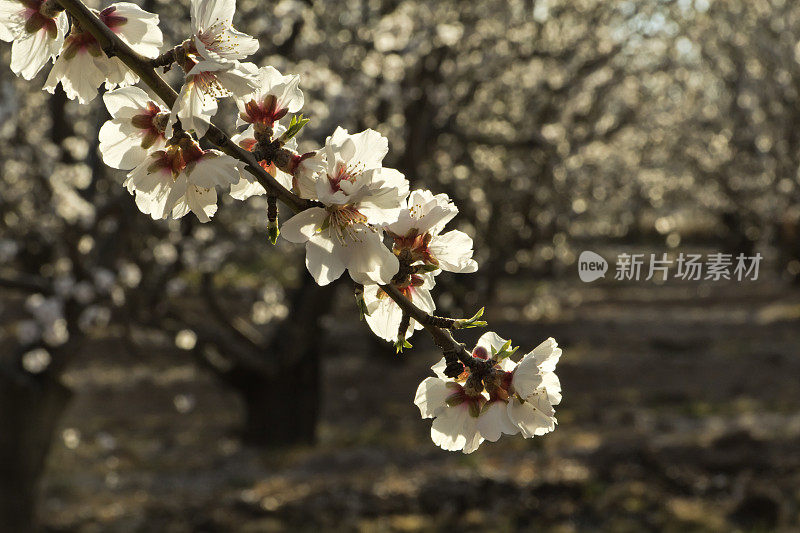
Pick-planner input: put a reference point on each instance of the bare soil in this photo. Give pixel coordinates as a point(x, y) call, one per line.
point(681, 412)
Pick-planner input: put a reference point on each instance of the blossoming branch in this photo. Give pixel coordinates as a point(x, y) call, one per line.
point(346, 205)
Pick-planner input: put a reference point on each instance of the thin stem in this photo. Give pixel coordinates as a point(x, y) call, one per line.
point(442, 337)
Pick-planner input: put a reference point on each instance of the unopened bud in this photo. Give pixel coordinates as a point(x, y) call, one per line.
point(362, 305)
point(273, 231)
point(471, 322)
point(401, 344)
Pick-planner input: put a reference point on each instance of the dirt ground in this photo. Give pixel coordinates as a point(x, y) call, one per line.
point(681, 412)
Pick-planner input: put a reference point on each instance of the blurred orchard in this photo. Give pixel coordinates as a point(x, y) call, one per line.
point(555, 126)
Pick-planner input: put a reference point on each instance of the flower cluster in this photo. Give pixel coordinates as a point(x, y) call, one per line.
point(419, 242)
point(36, 31)
point(509, 398)
point(352, 212)
point(82, 66)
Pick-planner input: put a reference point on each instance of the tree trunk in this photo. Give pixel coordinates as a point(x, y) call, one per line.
point(282, 409)
point(30, 411)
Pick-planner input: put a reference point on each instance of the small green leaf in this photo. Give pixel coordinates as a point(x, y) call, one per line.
point(295, 125)
point(471, 322)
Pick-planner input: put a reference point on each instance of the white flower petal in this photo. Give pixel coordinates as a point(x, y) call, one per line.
point(201, 201)
point(387, 190)
point(321, 262)
point(30, 52)
point(304, 225)
point(545, 356)
point(423, 212)
point(121, 146)
point(552, 385)
point(455, 429)
point(526, 379)
point(245, 187)
point(11, 19)
point(439, 367)
point(194, 108)
point(126, 102)
point(494, 421)
point(534, 417)
point(453, 250)
point(490, 340)
point(140, 29)
point(370, 148)
point(214, 168)
point(430, 397)
point(207, 13)
point(116, 72)
point(79, 76)
point(367, 259)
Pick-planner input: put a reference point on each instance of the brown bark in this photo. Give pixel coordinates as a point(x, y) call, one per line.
point(30, 411)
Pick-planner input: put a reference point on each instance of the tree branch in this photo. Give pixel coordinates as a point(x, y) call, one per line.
point(112, 45)
point(442, 337)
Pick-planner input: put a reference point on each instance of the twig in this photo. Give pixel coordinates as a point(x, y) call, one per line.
point(442, 337)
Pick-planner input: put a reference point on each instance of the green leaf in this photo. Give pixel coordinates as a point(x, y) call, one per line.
point(471, 322)
point(295, 126)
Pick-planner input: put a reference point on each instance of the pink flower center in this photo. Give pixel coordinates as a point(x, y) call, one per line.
point(266, 111)
point(417, 245)
point(35, 21)
point(149, 121)
point(344, 173)
point(111, 19)
point(176, 157)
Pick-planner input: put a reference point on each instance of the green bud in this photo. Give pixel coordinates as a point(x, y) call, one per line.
point(273, 231)
point(471, 322)
point(401, 344)
point(455, 399)
point(362, 305)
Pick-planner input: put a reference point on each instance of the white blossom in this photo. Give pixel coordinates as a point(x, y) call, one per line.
point(513, 397)
point(275, 96)
point(536, 389)
point(384, 315)
point(360, 196)
point(181, 178)
point(418, 231)
point(213, 33)
point(82, 66)
point(37, 37)
point(206, 81)
point(210, 61)
point(135, 128)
